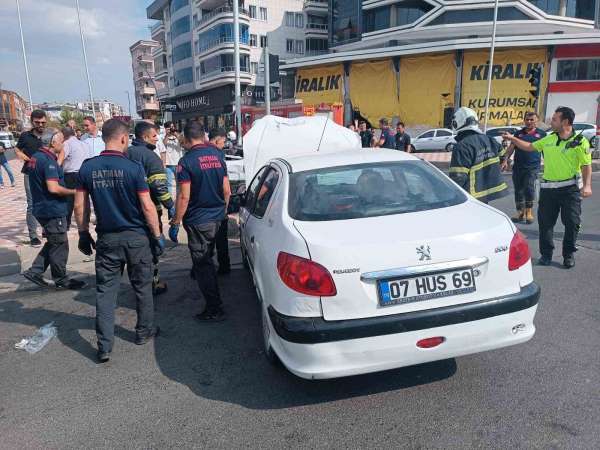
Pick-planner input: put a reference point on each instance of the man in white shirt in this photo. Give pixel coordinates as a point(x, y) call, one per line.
point(92, 137)
point(174, 152)
point(75, 152)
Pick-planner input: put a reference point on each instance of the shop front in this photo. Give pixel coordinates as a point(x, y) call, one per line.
point(213, 108)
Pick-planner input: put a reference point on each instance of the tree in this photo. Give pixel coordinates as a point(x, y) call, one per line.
point(69, 114)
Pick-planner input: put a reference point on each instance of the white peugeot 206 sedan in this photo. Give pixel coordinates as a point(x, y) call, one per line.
point(367, 260)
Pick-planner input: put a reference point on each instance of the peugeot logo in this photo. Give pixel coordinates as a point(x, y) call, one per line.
point(424, 252)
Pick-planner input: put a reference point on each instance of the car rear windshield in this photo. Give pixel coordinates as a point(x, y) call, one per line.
point(370, 190)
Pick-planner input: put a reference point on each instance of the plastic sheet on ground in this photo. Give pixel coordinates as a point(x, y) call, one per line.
point(277, 137)
point(39, 340)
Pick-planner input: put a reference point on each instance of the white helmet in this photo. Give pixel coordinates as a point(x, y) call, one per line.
point(465, 119)
point(231, 136)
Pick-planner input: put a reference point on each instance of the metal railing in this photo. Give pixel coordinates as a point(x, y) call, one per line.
point(319, 3)
point(316, 26)
point(222, 10)
point(224, 69)
point(154, 28)
point(315, 52)
point(204, 46)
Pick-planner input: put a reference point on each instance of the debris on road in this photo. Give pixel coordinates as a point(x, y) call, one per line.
point(39, 340)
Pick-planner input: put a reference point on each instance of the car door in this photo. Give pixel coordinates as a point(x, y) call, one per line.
point(258, 222)
point(248, 205)
point(424, 141)
point(442, 139)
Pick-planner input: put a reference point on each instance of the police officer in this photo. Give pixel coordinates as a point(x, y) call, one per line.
point(49, 201)
point(128, 233)
point(525, 169)
point(142, 150)
point(567, 157)
point(202, 200)
point(475, 163)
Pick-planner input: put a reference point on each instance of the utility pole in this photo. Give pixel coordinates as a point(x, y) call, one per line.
point(87, 71)
point(24, 56)
point(267, 81)
point(236, 65)
point(129, 102)
point(491, 67)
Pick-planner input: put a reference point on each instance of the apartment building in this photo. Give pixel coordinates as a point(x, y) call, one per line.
point(143, 67)
point(418, 60)
point(195, 58)
point(14, 111)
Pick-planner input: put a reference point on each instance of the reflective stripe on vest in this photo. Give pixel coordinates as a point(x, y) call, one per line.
point(473, 179)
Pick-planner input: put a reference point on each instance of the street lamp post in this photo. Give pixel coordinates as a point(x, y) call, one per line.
point(87, 71)
point(236, 65)
point(491, 68)
point(128, 103)
point(24, 56)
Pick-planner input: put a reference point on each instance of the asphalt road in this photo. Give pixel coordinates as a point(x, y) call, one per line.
point(209, 386)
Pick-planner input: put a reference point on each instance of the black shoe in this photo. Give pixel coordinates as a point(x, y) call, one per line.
point(545, 261)
point(35, 242)
point(35, 278)
point(217, 315)
point(141, 340)
point(103, 357)
point(72, 285)
point(159, 288)
point(569, 262)
point(224, 270)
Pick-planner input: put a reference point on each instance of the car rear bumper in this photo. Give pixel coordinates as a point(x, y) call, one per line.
point(314, 348)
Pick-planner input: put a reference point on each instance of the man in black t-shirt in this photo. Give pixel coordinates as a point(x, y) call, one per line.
point(29, 143)
point(402, 138)
point(366, 136)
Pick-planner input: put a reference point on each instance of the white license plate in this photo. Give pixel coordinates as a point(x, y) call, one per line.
point(426, 287)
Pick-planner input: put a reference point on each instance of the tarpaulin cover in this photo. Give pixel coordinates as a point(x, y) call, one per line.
point(277, 137)
point(373, 90)
point(318, 85)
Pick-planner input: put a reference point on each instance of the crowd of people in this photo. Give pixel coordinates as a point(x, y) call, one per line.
point(398, 140)
point(127, 186)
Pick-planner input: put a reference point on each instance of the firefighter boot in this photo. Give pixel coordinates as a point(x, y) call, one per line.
point(519, 217)
point(529, 216)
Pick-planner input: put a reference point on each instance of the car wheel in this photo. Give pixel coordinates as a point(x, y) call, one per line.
point(449, 147)
point(266, 332)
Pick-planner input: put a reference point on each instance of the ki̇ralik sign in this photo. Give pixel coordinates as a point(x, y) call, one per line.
point(510, 97)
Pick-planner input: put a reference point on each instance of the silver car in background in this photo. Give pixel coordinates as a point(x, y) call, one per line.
point(435, 140)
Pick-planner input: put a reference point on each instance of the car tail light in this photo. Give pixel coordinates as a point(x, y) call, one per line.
point(305, 276)
point(519, 252)
point(430, 342)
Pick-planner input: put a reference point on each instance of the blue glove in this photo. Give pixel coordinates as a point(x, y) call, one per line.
point(173, 232)
point(171, 212)
point(158, 246)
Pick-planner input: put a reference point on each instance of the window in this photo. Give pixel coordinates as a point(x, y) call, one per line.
point(289, 45)
point(265, 193)
point(221, 33)
point(176, 5)
point(184, 76)
point(252, 11)
point(263, 14)
point(409, 12)
point(345, 20)
point(195, 20)
point(478, 15)
point(180, 26)
point(253, 40)
point(443, 133)
point(182, 52)
point(252, 191)
point(376, 19)
point(299, 20)
point(263, 41)
point(289, 19)
point(429, 134)
point(582, 9)
point(300, 47)
point(370, 190)
point(254, 67)
point(578, 69)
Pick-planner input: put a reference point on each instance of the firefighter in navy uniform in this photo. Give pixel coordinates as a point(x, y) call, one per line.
point(476, 158)
point(128, 233)
point(142, 151)
point(567, 179)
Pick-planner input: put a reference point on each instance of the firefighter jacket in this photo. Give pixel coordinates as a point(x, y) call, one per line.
point(475, 166)
point(143, 153)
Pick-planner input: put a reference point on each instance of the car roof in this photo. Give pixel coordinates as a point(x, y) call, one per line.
point(312, 161)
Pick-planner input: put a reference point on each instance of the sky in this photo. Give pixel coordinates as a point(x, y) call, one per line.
point(54, 53)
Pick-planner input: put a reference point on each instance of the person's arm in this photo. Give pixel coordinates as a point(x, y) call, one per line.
point(183, 200)
point(586, 172)
point(509, 153)
point(57, 189)
point(21, 154)
point(82, 207)
point(519, 143)
point(460, 166)
point(226, 191)
point(149, 211)
point(157, 180)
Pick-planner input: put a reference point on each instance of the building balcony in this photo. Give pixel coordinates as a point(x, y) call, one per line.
point(315, 52)
point(146, 57)
point(316, 30)
point(222, 13)
point(162, 92)
point(158, 51)
point(316, 7)
point(150, 106)
point(224, 43)
point(226, 70)
point(157, 31)
point(148, 90)
point(161, 73)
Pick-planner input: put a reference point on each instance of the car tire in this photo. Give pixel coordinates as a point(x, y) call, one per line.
point(449, 147)
point(266, 331)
